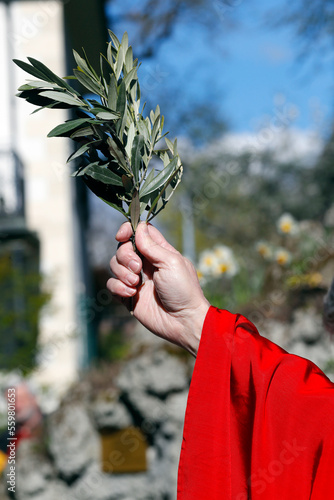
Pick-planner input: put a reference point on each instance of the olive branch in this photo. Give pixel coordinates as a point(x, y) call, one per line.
point(118, 154)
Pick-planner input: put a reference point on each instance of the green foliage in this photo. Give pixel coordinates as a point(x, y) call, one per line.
point(117, 142)
point(20, 306)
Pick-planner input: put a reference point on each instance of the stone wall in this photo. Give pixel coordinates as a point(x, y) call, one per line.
point(146, 400)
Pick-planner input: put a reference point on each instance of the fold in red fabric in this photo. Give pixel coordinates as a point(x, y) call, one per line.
point(259, 422)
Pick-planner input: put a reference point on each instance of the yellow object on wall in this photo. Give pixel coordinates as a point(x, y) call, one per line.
point(124, 451)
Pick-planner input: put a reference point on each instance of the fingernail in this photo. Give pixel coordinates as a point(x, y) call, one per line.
point(134, 266)
point(132, 279)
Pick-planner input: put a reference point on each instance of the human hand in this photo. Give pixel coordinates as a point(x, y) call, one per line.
point(170, 302)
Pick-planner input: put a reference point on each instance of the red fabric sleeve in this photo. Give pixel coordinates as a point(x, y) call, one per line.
point(259, 422)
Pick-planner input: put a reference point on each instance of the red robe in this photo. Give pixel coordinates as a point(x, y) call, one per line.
point(259, 422)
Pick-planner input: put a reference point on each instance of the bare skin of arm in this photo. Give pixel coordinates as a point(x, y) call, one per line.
point(170, 302)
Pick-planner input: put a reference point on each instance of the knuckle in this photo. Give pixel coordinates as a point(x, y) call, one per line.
point(175, 260)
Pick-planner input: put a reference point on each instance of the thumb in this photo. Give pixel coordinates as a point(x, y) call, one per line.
point(150, 248)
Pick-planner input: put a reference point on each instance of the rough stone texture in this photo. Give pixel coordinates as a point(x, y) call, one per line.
point(111, 414)
point(35, 475)
point(157, 374)
point(316, 353)
point(100, 486)
point(276, 331)
point(307, 326)
point(149, 409)
point(74, 443)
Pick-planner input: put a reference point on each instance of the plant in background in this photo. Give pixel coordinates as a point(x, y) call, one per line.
point(293, 258)
point(287, 224)
point(219, 274)
point(22, 300)
point(116, 141)
point(216, 263)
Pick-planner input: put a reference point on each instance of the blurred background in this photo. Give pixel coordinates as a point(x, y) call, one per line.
point(247, 87)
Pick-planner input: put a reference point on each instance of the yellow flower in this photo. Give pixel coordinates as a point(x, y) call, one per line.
point(282, 256)
point(286, 224)
point(226, 263)
point(314, 279)
point(264, 250)
point(207, 262)
point(199, 274)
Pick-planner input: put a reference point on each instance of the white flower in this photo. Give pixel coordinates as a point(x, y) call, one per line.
point(226, 263)
point(282, 256)
point(286, 224)
point(264, 250)
point(207, 262)
point(217, 262)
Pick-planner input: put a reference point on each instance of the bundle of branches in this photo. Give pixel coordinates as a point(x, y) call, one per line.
point(116, 141)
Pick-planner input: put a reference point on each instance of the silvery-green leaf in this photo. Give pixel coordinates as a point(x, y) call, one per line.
point(155, 130)
point(129, 59)
point(82, 64)
point(142, 127)
point(66, 127)
point(160, 179)
point(119, 61)
point(114, 39)
point(175, 147)
point(148, 179)
point(30, 69)
point(121, 108)
point(104, 175)
point(83, 150)
point(90, 67)
point(129, 139)
point(40, 84)
point(82, 132)
point(134, 92)
point(88, 82)
point(81, 170)
point(117, 153)
point(125, 41)
point(107, 115)
point(50, 76)
point(78, 153)
point(112, 92)
point(165, 159)
point(157, 112)
point(24, 87)
point(61, 97)
point(113, 205)
point(170, 145)
point(135, 210)
point(98, 108)
point(132, 75)
point(110, 58)
point(136, 155)
point(176, 175)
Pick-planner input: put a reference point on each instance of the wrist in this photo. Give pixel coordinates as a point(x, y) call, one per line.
point(194, 326)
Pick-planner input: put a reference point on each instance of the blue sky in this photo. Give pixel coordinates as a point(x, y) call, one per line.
point(250, 74)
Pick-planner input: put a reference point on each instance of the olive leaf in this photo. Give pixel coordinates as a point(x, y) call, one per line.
point(116, 140)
